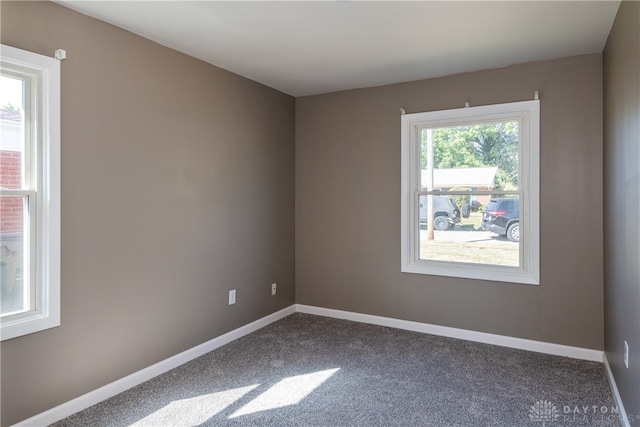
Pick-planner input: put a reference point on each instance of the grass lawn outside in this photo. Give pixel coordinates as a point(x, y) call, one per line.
point(485, 252)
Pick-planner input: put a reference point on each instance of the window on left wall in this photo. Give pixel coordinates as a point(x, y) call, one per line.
point(29, 192)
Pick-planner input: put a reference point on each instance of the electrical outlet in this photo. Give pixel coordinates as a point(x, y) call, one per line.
point(626, 354)
point(274, 287)
point(232, 296)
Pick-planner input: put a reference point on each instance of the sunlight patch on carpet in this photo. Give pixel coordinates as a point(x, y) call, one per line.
point(195, 410)
point(289, 391)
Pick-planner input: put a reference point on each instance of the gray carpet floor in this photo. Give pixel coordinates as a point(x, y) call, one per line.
point(309, 370)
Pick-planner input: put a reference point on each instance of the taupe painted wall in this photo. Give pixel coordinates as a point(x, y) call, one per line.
point(177, 185)
point(348, 205)
point(622, 201)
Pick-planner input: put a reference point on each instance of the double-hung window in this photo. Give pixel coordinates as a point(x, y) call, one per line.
point(470, 192)
point(29, 192)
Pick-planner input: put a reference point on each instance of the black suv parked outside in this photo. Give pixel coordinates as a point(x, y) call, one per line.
point(502, 216)
point(445, 212)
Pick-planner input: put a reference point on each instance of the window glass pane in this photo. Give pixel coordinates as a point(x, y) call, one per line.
point(12, 132)
point(468, 227)
point(480, 157)
point(476, 234)
point(14, 295)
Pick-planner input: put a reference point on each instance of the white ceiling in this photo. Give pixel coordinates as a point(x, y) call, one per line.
point(303, 47)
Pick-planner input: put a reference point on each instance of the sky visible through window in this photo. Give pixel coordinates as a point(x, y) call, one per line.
point(10, 92)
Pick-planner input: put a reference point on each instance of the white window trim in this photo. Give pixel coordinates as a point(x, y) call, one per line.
point(529, 180)
point(47, 255)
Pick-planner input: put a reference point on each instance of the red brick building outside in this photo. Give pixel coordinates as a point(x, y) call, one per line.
point(11, 208)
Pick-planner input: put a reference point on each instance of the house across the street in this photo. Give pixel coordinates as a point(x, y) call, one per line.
point(464, 178)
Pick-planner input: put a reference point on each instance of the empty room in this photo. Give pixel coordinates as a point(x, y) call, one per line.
point(323, 213)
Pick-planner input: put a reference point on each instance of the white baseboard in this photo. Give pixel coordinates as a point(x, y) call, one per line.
point(445, 331)
point(616, 395)
point(86, 400)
